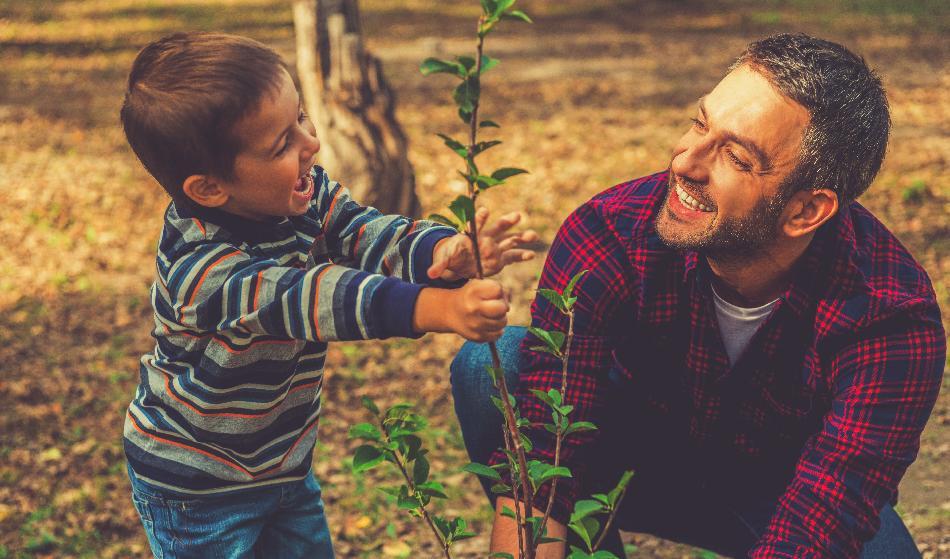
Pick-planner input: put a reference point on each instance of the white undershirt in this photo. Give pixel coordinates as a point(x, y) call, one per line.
point(737, 325)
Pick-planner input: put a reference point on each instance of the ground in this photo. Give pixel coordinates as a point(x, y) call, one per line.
point(594, 93)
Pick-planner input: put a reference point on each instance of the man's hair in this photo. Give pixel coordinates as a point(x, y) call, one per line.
point(845, 141)
point(185, 94)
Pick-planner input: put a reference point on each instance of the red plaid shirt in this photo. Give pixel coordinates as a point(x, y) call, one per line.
point(827, 403)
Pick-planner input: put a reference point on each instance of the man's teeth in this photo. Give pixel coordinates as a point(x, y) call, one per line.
point(691, 202)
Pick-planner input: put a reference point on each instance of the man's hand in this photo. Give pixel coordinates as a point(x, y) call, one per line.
point(453, 257)
point(504, 534)
point(477, 311)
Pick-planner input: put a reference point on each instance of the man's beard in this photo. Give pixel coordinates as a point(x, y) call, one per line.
point(734, 239)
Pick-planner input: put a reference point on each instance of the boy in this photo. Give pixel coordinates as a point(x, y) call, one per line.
point(263, 259)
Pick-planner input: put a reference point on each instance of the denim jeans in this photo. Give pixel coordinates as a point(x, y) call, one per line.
point(284, 521)
point(669, 507)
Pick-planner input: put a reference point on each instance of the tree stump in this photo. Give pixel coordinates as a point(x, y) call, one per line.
point(352, 107)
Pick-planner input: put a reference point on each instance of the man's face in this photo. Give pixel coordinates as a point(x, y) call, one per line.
point(727, 171)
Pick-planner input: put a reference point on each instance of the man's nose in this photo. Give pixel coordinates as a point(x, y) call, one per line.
point(693, 158)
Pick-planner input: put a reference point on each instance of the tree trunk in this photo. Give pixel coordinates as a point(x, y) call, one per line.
point(352, 107)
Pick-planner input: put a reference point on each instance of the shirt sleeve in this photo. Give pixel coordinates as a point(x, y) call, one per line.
point(363, 238)
point(585, 242)
point(213, 287)
point(886, 384)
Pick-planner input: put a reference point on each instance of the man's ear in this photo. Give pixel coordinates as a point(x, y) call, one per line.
point(808, 210)
point(204, 190)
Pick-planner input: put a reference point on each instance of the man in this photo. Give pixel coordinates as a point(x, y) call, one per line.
point(752, 342)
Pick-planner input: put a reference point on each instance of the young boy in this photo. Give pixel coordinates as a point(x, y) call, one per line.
point(262, 261)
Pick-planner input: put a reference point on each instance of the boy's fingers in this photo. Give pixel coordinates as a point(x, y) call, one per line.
point(495, 309)
point(516, 255)
point(503, 224)
point(481, 216)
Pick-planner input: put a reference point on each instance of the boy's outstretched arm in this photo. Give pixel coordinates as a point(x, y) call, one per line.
point(453, 257)
point(476, 311)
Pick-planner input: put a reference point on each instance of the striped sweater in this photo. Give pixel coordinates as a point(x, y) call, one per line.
point(229, 398)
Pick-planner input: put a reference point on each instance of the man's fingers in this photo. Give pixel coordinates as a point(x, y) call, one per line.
point(516, 240)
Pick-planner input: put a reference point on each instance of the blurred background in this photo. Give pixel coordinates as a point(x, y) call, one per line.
point(594, 93)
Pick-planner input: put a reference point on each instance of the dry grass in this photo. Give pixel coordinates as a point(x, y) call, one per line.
point(593, 94)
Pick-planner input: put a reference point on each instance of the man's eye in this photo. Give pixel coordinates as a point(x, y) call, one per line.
point(742, 165)
point(700, 125)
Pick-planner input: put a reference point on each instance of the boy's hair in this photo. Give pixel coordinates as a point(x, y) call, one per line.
point(185, 94)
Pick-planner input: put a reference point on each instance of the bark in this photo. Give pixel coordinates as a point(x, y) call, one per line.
point(352, 107)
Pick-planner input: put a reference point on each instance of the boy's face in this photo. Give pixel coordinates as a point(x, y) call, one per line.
point(272, 171)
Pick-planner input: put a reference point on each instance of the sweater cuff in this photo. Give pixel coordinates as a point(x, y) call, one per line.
point(422, 259)
point(394, 303)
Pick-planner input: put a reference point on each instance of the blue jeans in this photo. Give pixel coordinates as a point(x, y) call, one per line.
point(668, 507)
point(284, 521)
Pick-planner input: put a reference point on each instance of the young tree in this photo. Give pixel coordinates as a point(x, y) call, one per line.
point(352, 106)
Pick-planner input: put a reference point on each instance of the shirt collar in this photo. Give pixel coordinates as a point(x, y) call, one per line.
point(242, 228)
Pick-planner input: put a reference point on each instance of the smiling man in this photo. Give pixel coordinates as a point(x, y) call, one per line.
point(755, 344)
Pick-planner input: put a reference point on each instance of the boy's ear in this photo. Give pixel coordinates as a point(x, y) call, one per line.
point(204, 190)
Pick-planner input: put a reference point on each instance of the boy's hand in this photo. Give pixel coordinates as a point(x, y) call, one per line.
point(477, 311)
point(453, 257)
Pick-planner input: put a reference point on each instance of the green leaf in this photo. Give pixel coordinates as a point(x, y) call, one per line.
point(439, 218)
point(553, 340)
point(463, 208)
point(554, 297)
point(614, 494)
point(506, 511)
point(501, 6)
point(501, 555)
point(366, 431)
point(467, 62)
point(559, 471)
point(406, 501)
point(482, 470)
point(517, 15)
point(443, 526)
point(488, 124)
point(420, 470)
point(488, 6)
point(432, 489)
point(579, 426)
point(484, 183)
point(436, 66)
point(369, 404)
point(569, 290)
point(526, 442)
point(507, 172)
point(488, 63)
point(454, 145)
point(601, 498)
point(410, 445)
point(494, 373)
point(586, 507)
point(465, 115)
point(500, 488)
point(466, 94)
point(482, 146)
point(366, 457)
point(586, 528)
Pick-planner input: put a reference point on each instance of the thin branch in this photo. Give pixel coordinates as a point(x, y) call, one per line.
point(566, 355)
point(412, 487)
point(610, 519)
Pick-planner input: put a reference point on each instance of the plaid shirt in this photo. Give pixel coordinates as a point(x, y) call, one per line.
point(825, 407)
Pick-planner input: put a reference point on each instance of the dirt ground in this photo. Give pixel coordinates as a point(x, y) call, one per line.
point(594, 93)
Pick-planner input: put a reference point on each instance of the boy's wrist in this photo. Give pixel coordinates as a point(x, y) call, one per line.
point(430, 314)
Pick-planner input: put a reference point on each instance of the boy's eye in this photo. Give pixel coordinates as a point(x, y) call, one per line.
point(302, 116)
point(284, 147)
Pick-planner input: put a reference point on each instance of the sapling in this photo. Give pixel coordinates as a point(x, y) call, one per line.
point(467, 96)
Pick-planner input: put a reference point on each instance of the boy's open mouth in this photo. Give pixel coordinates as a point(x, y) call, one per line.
point(304, 185)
